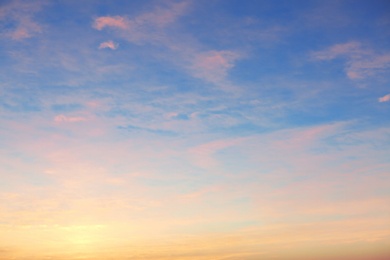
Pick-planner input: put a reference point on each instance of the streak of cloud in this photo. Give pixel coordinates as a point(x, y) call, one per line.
point(68, 119)
point(108, 21)
point(385, 98)
point(360, 63)
point(21, 13)
point(153, 28)
point(108, 44)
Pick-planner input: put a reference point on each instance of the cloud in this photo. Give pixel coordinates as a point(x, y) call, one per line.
point(385, 98)
point(134, 128)
point(110, 21)
point(361, 62)
point(156, 27)
point(93, 183)
point(318, 15)
point(108, 44)
point(366, 67)
point(68, 119)
point(161, 16)
point(335, 51)
point(303, 138)
point(203, 155)
point(213, 65)
point(20, 15)
point(178, 116)
point(146, 26)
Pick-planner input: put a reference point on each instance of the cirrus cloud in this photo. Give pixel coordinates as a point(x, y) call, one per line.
point(213, 66)
point(20, 14)
point(68, 119)
point(154, 27)
point(360, 62)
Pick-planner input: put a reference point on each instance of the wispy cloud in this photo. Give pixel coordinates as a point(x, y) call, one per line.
point(213, 65)
point(148, 130)
point(97, 144)
point(147, 27)
point(360, 62)
point(21, 14)
point(367, 67)
point(108, 44)
point(155, 27)
point(110, 21)
point(163, 16)
point(349, 49)
point(68, 119)
point(385, 98)
point(203, 155)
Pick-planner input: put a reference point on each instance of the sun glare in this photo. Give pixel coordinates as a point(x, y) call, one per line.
point(84, 238)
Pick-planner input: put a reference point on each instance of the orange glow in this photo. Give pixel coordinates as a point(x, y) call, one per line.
point(194, 130)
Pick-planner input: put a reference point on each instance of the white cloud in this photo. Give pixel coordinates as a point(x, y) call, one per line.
point(68, 119)
point(108, 44)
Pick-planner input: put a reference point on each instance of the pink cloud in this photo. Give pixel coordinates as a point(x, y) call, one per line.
point(21, 14)
point(360, 62)
point(110, 21)
point(203, 155)
point(385, 98)
point(158, 18)
point(349, 48)
point(108, 44)
point(366, 67)
point(161, 16)
point(151, 27)
point(21, 33)
point(306, 137)
point(200, 194)
point(68, 119)
point(213, 65)
point(148, 26)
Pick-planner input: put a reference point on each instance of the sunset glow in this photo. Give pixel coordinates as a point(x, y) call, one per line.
point(195, 130)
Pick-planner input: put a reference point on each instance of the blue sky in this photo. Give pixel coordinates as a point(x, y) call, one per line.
point(200, 119)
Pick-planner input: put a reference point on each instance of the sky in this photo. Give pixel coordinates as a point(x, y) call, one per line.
point(179, 129)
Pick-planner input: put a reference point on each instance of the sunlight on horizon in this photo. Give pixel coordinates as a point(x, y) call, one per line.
point(195, 130)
